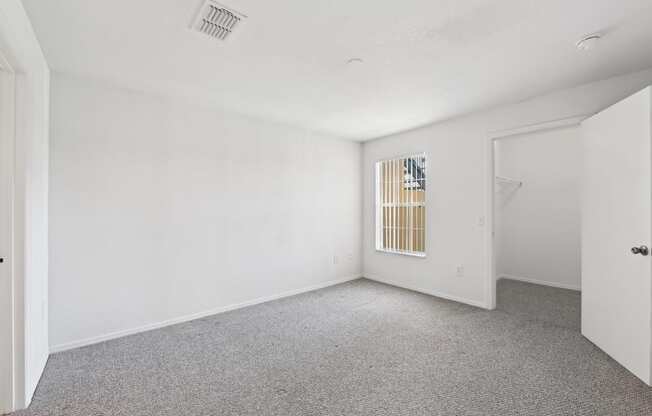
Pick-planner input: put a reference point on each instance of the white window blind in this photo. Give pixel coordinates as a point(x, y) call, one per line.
point(401, 205)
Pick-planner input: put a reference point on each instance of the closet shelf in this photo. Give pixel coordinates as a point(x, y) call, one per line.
point(509, 181)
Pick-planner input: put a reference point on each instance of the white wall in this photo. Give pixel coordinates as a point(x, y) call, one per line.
point(20, 46)
point(458, 186)
point(161, 211)
point(537, 225)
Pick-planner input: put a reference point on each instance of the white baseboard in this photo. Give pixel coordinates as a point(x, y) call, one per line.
point(539, 282)
point(186, 318)
point(434, 293)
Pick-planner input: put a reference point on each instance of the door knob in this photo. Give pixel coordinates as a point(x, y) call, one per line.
point(642, 250)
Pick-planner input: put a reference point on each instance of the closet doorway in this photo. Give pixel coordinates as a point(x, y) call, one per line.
point(536, 232)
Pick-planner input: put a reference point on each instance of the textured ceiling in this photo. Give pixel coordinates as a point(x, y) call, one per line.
point(424, 61)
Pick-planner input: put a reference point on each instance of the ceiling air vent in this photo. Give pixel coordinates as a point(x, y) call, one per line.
point(216, 21)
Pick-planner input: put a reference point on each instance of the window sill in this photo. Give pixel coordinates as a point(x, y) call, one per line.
point(402, 253)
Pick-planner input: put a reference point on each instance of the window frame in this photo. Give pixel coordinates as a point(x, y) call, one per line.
point(378, 225)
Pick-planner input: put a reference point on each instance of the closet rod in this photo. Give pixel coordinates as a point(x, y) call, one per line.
point(509, 180)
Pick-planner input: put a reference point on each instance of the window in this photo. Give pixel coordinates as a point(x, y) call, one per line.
point(401, 205)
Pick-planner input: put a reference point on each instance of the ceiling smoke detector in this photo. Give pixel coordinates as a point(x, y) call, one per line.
point(216, 20)
point(589, 42)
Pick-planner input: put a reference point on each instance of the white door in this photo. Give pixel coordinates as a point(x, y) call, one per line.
point(616, 228)
point(6, 237)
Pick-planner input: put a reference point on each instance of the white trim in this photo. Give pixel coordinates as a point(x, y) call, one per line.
point(492, 136)
point(403, 253)
point(186, 318)
point(489, 254)
point(437, 294)
point(540, 282)
point(538, 127)
point(8, 399)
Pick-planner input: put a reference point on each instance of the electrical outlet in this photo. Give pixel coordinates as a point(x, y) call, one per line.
point(349, 257)
point(335, 260)
point(460, 271)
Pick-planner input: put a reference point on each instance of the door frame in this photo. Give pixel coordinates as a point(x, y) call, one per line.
point(8, 320)
point(492, 136)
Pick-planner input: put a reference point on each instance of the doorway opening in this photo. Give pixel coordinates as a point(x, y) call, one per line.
point(535, 234)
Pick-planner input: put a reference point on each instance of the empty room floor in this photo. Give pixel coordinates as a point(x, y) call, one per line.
point(359, 348)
